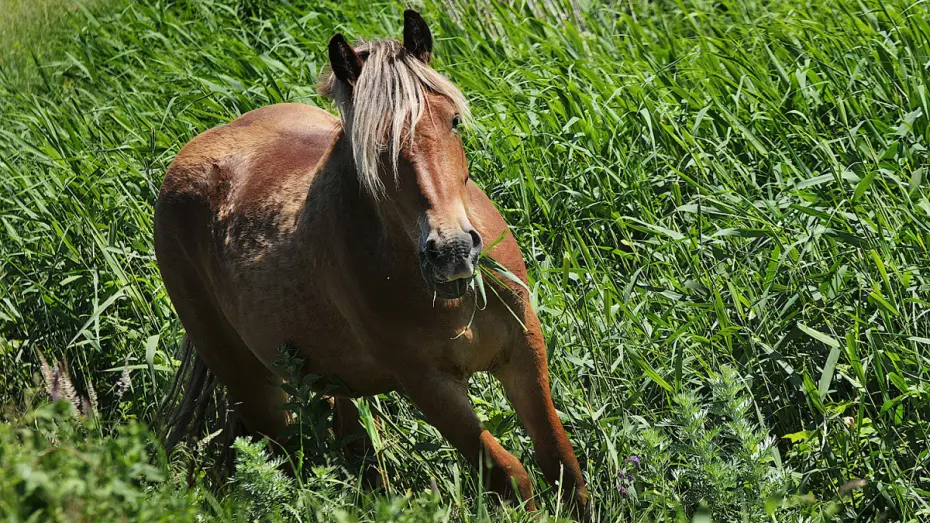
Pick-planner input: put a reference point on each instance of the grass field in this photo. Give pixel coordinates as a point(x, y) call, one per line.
point(723, 206)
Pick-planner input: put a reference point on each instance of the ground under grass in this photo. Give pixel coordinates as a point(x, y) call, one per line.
point(723, 205)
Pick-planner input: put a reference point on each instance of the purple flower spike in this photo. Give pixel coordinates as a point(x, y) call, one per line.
point(633, 459)
point(623, 490)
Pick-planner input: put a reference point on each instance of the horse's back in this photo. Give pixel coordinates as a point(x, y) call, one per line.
point(257, 163)
point(274, 140)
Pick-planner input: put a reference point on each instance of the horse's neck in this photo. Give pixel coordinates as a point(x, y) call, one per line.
point(346, 221)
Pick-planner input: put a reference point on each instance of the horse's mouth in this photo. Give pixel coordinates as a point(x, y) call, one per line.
point(445, 289)
point(450, 290)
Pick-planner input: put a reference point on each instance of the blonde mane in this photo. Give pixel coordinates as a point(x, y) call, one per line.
point(388, 99)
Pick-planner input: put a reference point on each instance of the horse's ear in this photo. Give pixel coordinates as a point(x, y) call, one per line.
point(417, 38)
point(346, 64)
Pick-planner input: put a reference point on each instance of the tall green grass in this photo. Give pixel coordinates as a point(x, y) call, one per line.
point(25, 28)
point(723, 205)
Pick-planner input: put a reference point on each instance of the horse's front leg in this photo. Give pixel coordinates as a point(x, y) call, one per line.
point(443, 399)
point(525, 377)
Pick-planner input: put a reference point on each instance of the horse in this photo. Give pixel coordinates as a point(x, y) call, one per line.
point(356, 240)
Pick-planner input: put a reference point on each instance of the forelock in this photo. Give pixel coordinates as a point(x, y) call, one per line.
point(388, 99)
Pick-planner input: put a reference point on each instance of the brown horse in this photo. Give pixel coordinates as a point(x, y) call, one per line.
point(356, 240)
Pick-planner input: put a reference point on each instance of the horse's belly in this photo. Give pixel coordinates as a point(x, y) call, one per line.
point(295, 318)
point(272, 302)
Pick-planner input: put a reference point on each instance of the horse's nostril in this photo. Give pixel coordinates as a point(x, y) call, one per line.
point(432, 250)
point(475, 238)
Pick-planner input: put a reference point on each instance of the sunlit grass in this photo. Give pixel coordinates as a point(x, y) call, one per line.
point(25, 29)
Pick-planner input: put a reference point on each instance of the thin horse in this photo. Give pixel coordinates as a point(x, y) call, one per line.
point(355, 240)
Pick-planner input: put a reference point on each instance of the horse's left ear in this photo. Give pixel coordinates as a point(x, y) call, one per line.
point(346, 64)
point(417, 38)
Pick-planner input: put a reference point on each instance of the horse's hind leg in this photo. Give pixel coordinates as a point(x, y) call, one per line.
point(251, 387)
point(357, 446)
point(249, 384)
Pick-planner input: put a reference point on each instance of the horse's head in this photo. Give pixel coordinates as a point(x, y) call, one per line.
point(402, 118)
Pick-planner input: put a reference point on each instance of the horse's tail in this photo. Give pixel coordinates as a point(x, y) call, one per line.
point(195, 411)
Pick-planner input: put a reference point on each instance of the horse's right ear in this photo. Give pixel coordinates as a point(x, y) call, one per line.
point(417, 38)
point(346, 64)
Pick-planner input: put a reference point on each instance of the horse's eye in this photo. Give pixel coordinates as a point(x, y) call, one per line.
point(455, 123)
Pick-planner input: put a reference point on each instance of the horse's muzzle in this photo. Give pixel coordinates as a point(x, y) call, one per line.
point(448, 262)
